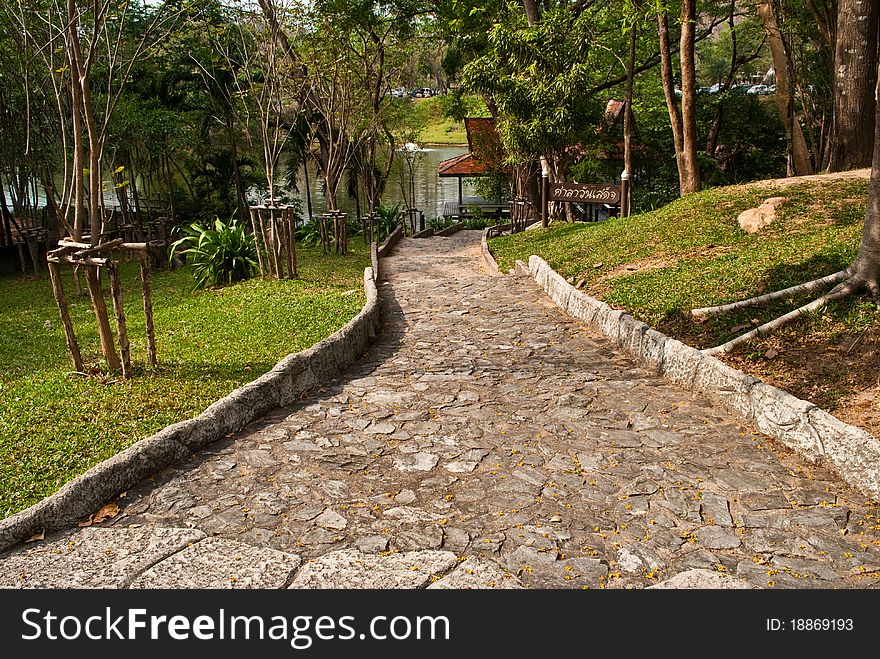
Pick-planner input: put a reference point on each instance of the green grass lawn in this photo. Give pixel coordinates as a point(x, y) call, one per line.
point(54, 425)
point(691, 253)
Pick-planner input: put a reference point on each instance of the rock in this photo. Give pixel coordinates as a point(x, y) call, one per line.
point(715, 509)
point(416, 462)
point(405, 497)
point(755, 219)
point(382, 428)
point(350, 568)
point(330, 519)
point(460, 466)
point(702, 579)
point(372, 544)
point(716, 537)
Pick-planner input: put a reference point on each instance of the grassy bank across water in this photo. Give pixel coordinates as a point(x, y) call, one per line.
point(54, 424)
point(692, 253)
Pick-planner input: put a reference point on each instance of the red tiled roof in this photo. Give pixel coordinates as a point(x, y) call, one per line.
point(463, 165)
point(484, 151)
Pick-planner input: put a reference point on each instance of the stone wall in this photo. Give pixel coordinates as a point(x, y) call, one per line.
point(281, 386)
point(852, 452)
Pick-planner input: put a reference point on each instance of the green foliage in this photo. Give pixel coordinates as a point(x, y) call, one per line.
point(224, 253)
point(389, 219)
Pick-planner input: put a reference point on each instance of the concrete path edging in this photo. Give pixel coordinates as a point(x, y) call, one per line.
point(392, 239)
point(450, 230)
point(282, 385)
point(486, 253)
point(814, 433)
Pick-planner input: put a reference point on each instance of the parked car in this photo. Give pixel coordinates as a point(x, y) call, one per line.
point(398, 92)
point(422, 92)
point(761, 89)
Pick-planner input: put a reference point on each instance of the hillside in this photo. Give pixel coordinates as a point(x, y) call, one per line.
point(692, 253)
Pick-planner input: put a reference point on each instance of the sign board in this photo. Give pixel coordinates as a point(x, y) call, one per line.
point(585, 193)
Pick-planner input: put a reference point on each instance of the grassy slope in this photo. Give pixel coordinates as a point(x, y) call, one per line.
point(691, 253)
point(437, 129)
point(55, 425)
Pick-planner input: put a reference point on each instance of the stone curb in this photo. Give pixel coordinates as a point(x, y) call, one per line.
point(852, 452)
point(392, 239)
point(488, 259)
point(282, 385)
point(448, 231)
point(426, 233)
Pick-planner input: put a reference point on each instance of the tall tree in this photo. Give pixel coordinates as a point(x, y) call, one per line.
point(855, 82)
point(798, 155)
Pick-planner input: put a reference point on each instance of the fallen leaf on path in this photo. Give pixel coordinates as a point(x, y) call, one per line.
point(39, 536)
point(106, 512)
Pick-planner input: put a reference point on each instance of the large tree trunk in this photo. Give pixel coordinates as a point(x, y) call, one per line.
point(855, 80)
point(798, 155)
point(691, 182)
point(864, 272)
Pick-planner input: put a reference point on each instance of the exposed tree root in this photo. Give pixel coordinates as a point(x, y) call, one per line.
point(807, 287)
point(845, 289)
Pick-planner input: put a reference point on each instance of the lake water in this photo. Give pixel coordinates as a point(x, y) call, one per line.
point(430, 190)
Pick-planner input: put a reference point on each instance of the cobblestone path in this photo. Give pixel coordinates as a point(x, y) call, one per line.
point(487, 424)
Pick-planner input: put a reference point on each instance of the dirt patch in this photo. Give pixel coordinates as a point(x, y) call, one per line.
point(652, 263)
point(840, 374)
point(783, 183)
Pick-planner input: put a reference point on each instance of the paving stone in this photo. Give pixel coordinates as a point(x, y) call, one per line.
point(330, 519)
point(477, 573)
point(372, 544)
point(93, 557)
point(716, 509)
point(353, 569)
point(702, 579)
point(417, 462)
point(220, 563)
point(716, 537)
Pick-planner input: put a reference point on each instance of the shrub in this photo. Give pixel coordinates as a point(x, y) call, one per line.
point(220, 254)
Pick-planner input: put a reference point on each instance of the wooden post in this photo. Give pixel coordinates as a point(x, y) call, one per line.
point(21, 254)
point(61, 301)
point(99, 307)
point(148, 309)
point(291, 244)
point(269, 269)
point(545, 200)
point(119, 311)
point(624, 194)
point(277, 262)
point(257, 242)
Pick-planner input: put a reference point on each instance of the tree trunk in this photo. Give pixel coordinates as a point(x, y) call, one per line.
point(625, 203)
point(669, 91)
point(865, 270)
point(531, 7)
point(99, 307)
point(798, 156)
point(691, 182)
point(855, 80)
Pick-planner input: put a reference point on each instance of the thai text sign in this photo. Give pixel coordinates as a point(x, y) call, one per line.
point(585, 193)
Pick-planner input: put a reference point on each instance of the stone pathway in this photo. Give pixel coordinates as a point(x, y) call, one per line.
point(485, 427)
